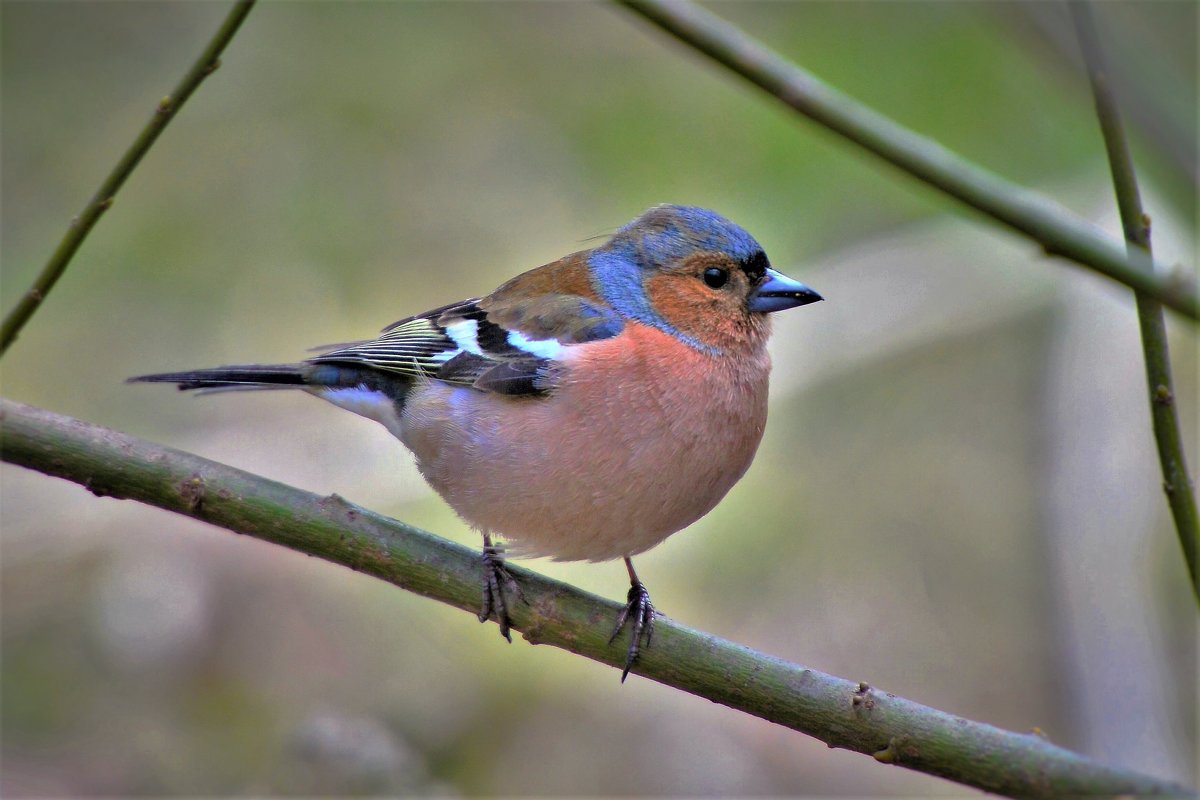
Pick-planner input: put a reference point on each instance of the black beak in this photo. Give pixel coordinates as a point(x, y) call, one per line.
point(779, 292)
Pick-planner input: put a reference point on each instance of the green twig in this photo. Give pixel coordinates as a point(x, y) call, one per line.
point(102, 200)
point(1058, 231)
point(1163, 409)
point(841, 713)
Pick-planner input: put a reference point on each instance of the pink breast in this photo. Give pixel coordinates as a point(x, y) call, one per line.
point(641, 438)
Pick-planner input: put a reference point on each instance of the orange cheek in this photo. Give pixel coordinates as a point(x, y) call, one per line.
point(687, 304)
point(681, 300)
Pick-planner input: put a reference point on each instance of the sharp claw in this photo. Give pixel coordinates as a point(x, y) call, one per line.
point(620, 624)
point(485, 608)
point(640, 613)
point(493, 591)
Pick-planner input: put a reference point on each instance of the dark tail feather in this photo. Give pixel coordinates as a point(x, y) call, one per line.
point(247, 376)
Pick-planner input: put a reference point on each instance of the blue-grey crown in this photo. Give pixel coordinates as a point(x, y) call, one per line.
point(667, 233)
point(658, 237)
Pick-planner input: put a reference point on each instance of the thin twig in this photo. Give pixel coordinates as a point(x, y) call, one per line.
point(1056, 230)
point(102, 200)
point(841, 713)
point(1164, 411)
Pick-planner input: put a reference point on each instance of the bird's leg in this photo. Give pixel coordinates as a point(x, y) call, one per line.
point(641, 613)
point(495, 579)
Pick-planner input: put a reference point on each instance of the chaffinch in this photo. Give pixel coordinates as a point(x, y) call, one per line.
point(586, 409)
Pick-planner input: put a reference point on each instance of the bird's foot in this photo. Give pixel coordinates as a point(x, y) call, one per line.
point(640, 614)
point(496, 579)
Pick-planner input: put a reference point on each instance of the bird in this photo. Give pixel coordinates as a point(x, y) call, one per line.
point(586, 409)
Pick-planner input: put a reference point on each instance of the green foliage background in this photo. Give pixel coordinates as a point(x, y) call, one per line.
point(957, 499)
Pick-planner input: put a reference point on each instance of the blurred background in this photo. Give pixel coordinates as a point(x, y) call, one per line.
point(957, 499)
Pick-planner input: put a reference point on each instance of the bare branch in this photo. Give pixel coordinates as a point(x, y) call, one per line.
point(839, 712)
point(1163, 410)
point(102, 200)
point(1054, 228)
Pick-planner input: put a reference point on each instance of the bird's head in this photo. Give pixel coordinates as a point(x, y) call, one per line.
point(692, 273)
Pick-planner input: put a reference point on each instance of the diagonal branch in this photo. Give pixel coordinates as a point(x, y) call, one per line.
point(840, 713)
point(102, 200)
point(1163, 410)
point(1058, 231)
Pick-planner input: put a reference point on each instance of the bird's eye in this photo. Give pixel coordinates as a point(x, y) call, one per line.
point(716, 277)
